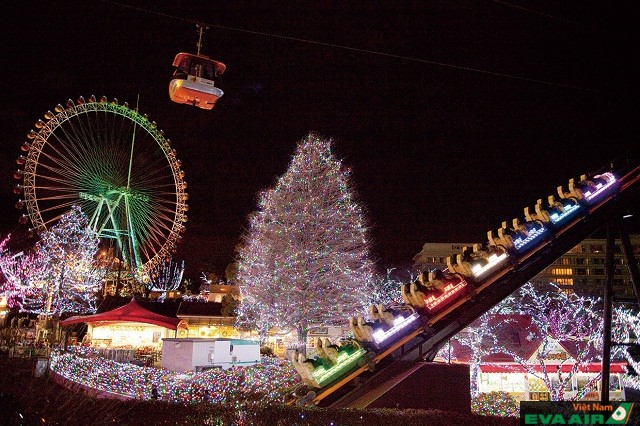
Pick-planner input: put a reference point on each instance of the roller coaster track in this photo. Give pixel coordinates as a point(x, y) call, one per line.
point(363, 384)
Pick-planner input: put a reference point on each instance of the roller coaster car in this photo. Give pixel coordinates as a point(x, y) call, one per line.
point(413, 293)
point(193, 81)
point(305, 368)
point(525, 233)
point(362, 330)
point(446, 288)
point(592, 187)
point(391, 324)
point(434, 290)
point(588, 188)
point(382, 317)
point(519, 237)
point(351, 354)
point(482, 261)
point(555, 213)
point(327, 350)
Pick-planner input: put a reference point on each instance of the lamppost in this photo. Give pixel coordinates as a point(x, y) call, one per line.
point(119, 266)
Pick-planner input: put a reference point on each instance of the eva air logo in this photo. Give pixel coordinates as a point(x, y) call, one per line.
point(578, 413)
point(621, 415)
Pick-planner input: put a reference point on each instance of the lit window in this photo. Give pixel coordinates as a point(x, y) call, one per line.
point(564, 281)
point(561, 271)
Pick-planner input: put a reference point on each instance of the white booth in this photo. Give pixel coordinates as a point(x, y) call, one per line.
point(188, 354)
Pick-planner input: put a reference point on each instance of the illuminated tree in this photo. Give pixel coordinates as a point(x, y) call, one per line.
point(480, 337)
point(558, 316)
point(304, 260)
point(165, 277)
point(61, 274)
point(18, 269)
point(625, 330)
point(385, 289)
point(555, 317)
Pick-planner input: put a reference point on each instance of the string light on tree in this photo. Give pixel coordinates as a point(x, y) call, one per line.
point(18, 270)
point(555, 316)
point(304, 260)
point(165, 277)
point(61, 274)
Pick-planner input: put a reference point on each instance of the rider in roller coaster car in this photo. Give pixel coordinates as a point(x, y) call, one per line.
point(527, 226)
point(517, 230)
point(327, 350)
point(436, 279)
point(555, 206)
point(423, 286)
point(590, 183)
point(310, 364)
point(361, 329)
point(433, 280)
point(382, 317)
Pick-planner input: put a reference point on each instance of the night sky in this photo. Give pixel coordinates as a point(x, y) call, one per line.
point(453, 116)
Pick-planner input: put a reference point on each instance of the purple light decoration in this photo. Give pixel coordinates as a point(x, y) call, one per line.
point(399, 323)
point(601, 187)
point(520, 242)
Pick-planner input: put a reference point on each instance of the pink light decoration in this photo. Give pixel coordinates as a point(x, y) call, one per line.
point(450, 290)
point(601, 187)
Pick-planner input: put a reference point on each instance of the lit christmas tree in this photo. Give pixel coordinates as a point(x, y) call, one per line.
point(61, 275)
point(165, 277)
point(304, 261)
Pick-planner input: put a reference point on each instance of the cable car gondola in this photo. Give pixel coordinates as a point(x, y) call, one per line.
point(193, 81)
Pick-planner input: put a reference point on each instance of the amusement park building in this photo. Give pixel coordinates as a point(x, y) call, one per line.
point(499, 372)
point(200, 318)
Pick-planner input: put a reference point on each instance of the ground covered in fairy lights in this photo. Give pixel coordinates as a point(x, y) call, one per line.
point(267, 382)
point(29, 400)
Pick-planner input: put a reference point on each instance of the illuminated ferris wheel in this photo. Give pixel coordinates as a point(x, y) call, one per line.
point(118, 166)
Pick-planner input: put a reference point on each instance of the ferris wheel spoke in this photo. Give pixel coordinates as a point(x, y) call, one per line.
point(71, 143)
point(150, 180)
point(165, 214)
point(56, 212)
point(56, 174)
point(151, 232)
point(55, 157)
point(118, 167)
point(52, 194)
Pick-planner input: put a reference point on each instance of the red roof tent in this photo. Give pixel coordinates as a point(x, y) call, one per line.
point(131, 312)
point(514, 330)
point(551, 368)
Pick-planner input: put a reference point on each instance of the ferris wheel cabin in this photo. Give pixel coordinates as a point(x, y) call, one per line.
point(193, 81)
